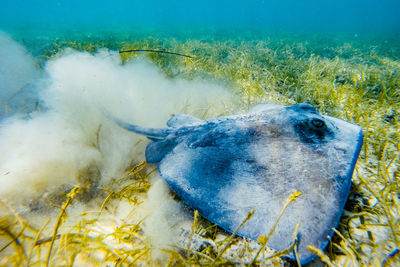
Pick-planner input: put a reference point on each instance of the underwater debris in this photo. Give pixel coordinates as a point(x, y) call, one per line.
point(391, 116)
point(154, 51)
point(341, 79)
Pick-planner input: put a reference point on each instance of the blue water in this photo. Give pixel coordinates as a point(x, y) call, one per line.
point(329, 16)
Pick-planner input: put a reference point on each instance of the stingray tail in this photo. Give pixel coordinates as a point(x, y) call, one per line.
point(161, 145)
point(151, 133)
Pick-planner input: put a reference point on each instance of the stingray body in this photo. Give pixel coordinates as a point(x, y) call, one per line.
point(228, 166)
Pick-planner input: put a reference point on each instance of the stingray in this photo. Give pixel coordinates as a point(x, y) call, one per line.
point(228, 166)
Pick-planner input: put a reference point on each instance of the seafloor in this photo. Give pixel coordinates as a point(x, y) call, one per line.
point(356, 78)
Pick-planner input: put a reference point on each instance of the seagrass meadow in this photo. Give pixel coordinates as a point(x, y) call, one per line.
point(353, 78)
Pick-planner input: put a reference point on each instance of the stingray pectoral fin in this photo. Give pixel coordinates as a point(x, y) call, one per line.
point(182, 119)
point(156, 151)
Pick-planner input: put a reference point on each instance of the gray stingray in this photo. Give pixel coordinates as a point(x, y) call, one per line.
point(228, 166)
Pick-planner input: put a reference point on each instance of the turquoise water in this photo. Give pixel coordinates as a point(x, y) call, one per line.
point(351, 17)
point(310, 27)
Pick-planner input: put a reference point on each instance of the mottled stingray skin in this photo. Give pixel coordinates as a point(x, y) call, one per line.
point(228, 166)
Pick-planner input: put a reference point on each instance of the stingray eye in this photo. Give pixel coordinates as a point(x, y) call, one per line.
point(314, 130)
point(318, 123)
